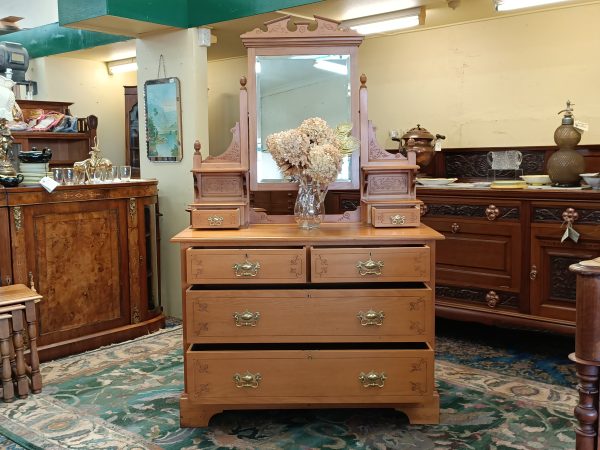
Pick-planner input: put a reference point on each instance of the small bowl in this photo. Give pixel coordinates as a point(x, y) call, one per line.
point(7, 181)
point(536, 180)
point(592, 179)
point(35, 156)
point(436, 181)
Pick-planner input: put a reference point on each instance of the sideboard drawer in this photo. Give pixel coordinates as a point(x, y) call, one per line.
point(320, 315)
point(219, 266)
point(216, 218)
point(394, 216)
point(310, 376)
point(334, 265)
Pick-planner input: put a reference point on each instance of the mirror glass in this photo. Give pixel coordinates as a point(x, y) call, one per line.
point(292, 88)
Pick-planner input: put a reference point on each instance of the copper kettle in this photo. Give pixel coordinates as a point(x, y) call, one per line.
point(422, 142)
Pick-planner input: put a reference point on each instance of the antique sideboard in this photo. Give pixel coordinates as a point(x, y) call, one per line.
point(279, 317)
point(503, 261)
point(91, 252)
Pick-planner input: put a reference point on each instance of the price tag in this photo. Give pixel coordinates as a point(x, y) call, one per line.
point(570, 233)
point(48, 183)
point(581, 126)
point(438, 146)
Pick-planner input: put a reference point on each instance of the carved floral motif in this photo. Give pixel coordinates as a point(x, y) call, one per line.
point(389, 184)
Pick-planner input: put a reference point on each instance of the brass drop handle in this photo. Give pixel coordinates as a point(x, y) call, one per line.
point(247, 380)
point(398, 219)
point(215, 221)
point(372, 379)
point(369, 267)
point(455, 228)
point(246, 318)
point(533, 273)
point(371, 318)
point(246, 268)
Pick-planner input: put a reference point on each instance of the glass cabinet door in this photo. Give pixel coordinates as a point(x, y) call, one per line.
point(132, 131)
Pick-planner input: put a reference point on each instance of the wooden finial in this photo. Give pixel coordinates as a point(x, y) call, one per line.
point(31, 283)
point(363, 80)
point(243, 82)
point(197, 147)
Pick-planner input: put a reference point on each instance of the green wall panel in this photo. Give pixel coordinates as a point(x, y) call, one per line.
point(203, 12)
point(53, 39)
point(70, 11)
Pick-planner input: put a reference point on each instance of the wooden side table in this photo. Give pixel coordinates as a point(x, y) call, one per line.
point(17, 301)
point(587, 352)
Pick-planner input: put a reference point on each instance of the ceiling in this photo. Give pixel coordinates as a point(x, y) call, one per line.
point(229, 45)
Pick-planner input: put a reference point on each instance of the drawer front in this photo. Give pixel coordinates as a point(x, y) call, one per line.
point(245, 266)
point(378, 264)
point(310, 376)
point(395, 217)
point(358, 315)
point(216, 218)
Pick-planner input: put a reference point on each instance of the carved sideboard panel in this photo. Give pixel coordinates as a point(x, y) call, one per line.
point(439, 209)
point(476, 165)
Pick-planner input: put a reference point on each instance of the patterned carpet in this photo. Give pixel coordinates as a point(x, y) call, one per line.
point(499, 389)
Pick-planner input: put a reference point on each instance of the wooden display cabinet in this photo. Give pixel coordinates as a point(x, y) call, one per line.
point(91, 252)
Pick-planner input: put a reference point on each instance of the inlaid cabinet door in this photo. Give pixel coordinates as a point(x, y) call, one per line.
point(77, 254)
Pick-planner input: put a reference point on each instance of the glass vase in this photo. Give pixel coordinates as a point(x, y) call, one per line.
point(308, 210)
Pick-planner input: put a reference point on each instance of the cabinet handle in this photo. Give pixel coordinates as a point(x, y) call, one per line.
point(398, 219)
point(492, 299)
point(246, 319)
point(533, 273)
point(371, 318)
point(246, 269)
point(248, 380)
point(492, 212)
point(455, 228)
point(372, 379)
point(569, 216)
point(369, 267)
point(215, 221)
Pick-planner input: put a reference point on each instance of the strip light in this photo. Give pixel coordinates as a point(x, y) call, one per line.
point(381, 23)
point(509, 5)
point(331, 67)
point(121, 65)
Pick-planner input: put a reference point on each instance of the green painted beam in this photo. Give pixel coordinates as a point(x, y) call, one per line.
point(70, 11)
point(53, 39)
point(203, 12)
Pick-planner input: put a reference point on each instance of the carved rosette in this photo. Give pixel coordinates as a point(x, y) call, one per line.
point(570, 216)
point(492, 212)
point(583, 216)
point(478, 296)
point(423, 209)
point(492, 299)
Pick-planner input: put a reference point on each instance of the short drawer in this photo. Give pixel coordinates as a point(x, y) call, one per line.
point(337, 315)
point(386, 217)
point(310, 376)
point(215, 218)
point(219, 266)
point(379, 264)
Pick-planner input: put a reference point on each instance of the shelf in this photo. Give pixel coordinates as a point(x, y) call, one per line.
point(48, 135)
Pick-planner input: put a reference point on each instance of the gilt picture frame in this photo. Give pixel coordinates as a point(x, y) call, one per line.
point(162, 106)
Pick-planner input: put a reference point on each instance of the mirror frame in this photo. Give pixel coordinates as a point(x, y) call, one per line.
point(284, 37)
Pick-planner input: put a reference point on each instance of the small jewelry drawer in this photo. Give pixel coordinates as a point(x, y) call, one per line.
point(377, 264)
point(215, 218)
point(310, 376)
point(391, 216)
point(245, 266)
point(319, 315)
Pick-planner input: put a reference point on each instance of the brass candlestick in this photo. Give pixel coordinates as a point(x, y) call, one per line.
point(6, 140)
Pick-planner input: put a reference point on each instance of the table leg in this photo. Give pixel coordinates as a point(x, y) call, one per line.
point(8, 390)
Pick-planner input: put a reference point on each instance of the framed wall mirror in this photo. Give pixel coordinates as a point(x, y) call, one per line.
point(297, 71)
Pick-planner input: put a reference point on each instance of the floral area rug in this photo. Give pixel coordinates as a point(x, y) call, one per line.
point(126, 397)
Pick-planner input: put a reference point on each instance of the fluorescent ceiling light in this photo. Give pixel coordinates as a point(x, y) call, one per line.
point(509, 5)
point(331, 67)
point(122, 65)
point(394, 20)
point(257, 67)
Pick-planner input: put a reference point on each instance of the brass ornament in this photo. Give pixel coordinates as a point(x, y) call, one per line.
point(246, 318)
point(18, 217)
point(369, 267)
point(372, 379)
point(246, 269)
point(371, 318)
point(398, 219)
point(215, 221)
point(248, 380)
point(95, 161)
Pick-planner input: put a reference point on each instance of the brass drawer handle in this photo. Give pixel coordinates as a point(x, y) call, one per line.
point(398, 219)
point(248, 380)
point(371, 318)
point(246, 269)
point(246, 319)
point(215, 221)
point(369, 267)
point(455, 228)
point(533, 273)
point(372, 379)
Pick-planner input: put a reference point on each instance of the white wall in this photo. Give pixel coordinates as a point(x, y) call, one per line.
point(92, 91)
point(186, 60)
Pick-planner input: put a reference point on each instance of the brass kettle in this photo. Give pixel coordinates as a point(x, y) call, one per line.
point(422, 142)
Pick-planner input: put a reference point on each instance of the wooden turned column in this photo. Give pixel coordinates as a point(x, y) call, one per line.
point(587, 352)
point(8, 390)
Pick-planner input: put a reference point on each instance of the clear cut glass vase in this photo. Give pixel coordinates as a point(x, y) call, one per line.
point(308, 210)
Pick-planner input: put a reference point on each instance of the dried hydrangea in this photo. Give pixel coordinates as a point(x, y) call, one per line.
point(324, 164)
point(289, 150)
point(317, 130)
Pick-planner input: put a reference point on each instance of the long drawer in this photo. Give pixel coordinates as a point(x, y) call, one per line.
point(310, 376)
point(320, 315)
point(377, 264)
point(245, 266)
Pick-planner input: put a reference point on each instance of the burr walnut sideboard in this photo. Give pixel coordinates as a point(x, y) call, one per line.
point(279, 317)
point(91, 251)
